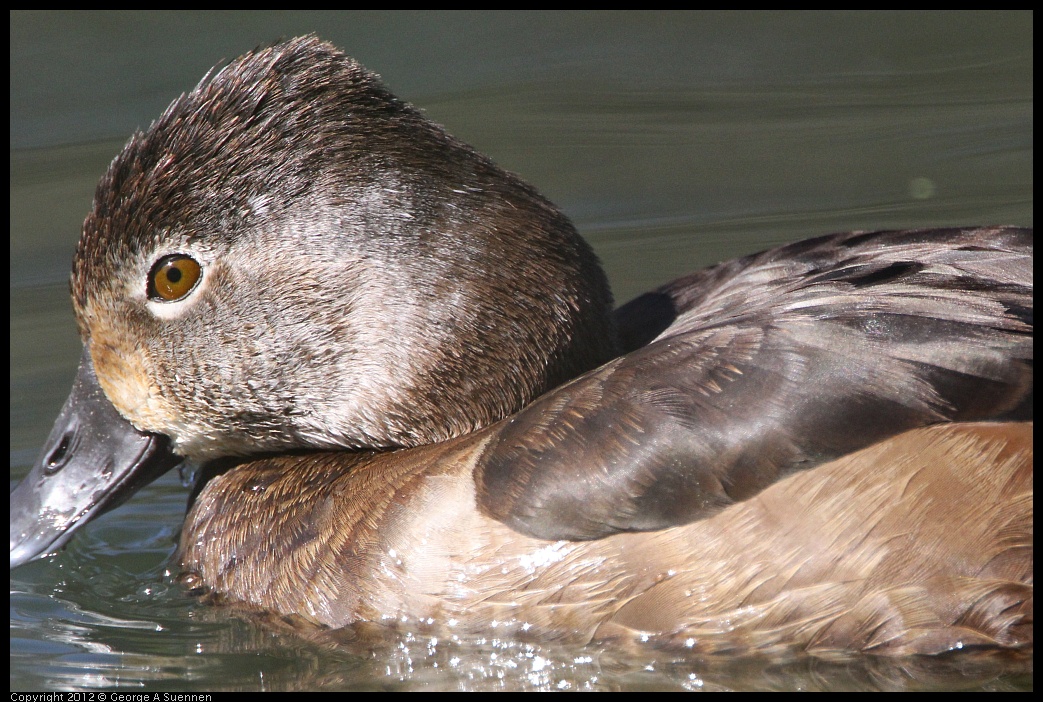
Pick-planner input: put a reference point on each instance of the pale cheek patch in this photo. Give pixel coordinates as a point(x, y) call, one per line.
point(123, 374)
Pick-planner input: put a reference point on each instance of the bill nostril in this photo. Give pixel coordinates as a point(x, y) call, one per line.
point(59, 456)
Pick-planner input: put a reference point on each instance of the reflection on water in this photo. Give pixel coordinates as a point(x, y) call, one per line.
point(214, 651)
point(672, 141)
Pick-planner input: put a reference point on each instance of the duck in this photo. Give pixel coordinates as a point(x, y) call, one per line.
point(400, 372)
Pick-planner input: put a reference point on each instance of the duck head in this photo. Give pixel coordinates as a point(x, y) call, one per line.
point(292, 258)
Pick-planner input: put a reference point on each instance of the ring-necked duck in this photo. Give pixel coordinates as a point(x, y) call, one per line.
point(401, 369)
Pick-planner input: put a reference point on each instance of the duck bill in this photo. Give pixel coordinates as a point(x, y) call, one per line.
point(93, 461)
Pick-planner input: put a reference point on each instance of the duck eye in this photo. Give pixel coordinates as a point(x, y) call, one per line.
point(173, 277)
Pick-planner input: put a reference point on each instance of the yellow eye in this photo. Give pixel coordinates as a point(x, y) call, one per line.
point(173, 278)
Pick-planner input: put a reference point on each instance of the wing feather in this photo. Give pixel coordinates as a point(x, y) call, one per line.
point(748, 371)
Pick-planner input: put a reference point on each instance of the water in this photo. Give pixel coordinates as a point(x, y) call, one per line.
point(672, 140)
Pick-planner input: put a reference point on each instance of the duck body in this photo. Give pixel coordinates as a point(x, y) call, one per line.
point(398, 539)
point(400, 370)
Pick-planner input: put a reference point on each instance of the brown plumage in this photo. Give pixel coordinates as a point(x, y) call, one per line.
point(399, 367)
point(773, 363)
point(918, 544)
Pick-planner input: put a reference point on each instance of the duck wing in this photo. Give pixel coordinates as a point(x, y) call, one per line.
point(748, 371)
